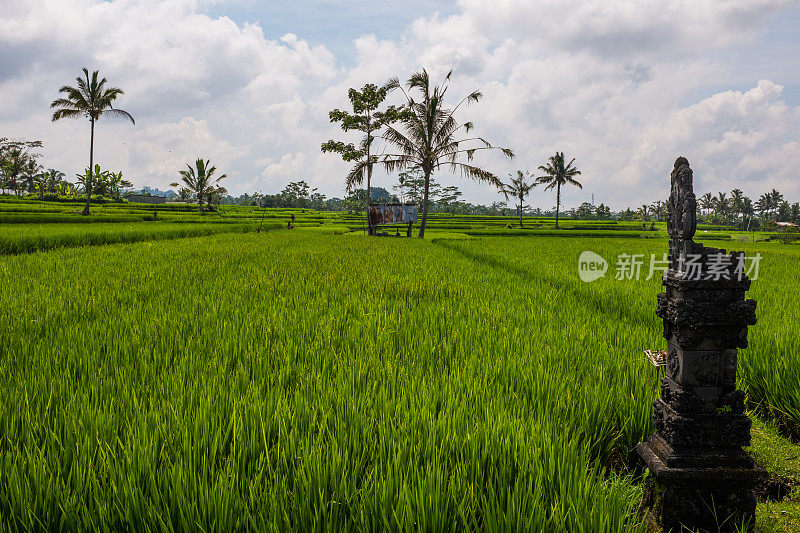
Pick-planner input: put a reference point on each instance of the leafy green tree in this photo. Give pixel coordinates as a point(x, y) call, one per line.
point(585, 211)
point(297, 194)
point(317, 201)
point(603, 212)
point(430, 140)
point(354, 202)
point(447, 196)
point(498, 208)
point(412, 185)
point(557, 173)
point(367, 119)
point(519, 188)
point(627, 215)
point(401, 186)
point(90, 99)
point(201, 180)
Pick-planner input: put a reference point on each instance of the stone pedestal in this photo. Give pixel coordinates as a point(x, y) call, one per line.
point(702, 479)
point(698, 498)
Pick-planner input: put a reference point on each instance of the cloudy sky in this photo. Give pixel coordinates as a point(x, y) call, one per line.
point(624, 87)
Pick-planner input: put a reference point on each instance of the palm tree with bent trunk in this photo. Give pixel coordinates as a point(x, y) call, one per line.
point(90, 99)
point(558, 173)
point(430, 139)
point(518, 188)
point(201, 180)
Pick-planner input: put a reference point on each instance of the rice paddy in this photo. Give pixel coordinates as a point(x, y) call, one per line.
point(319, 380)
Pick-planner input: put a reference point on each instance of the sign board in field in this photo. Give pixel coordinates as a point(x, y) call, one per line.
point(381, 214)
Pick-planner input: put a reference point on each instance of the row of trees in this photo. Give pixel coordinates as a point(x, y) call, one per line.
point(409, 188)
point(740, 210)
point(21, 173)
point(19, 168)
point(735, 209)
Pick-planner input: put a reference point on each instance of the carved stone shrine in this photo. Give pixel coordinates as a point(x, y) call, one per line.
point(702, 479)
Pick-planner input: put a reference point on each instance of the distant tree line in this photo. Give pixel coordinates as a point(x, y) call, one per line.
point(22, 175)
point(735, 209)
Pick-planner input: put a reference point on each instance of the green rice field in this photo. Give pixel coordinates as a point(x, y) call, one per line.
point(200, 376)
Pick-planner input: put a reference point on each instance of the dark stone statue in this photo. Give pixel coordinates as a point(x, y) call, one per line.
point(703, 480)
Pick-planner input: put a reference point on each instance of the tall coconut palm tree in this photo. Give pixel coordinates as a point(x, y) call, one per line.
point(659, 210)
point(763, 205)
point(737, 201)
point(721, 206)
point(776, 199)
point(556, 174)
point(706, 202)
point(748, 211)
point(518, 188)
point(201, 180)
point(644, 212)
point(90, 99)
point(429, 138)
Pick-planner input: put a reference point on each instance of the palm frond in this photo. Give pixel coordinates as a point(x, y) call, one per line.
point(118, 113)
point(477, 174)
point(66, 113)
point(356, 175)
